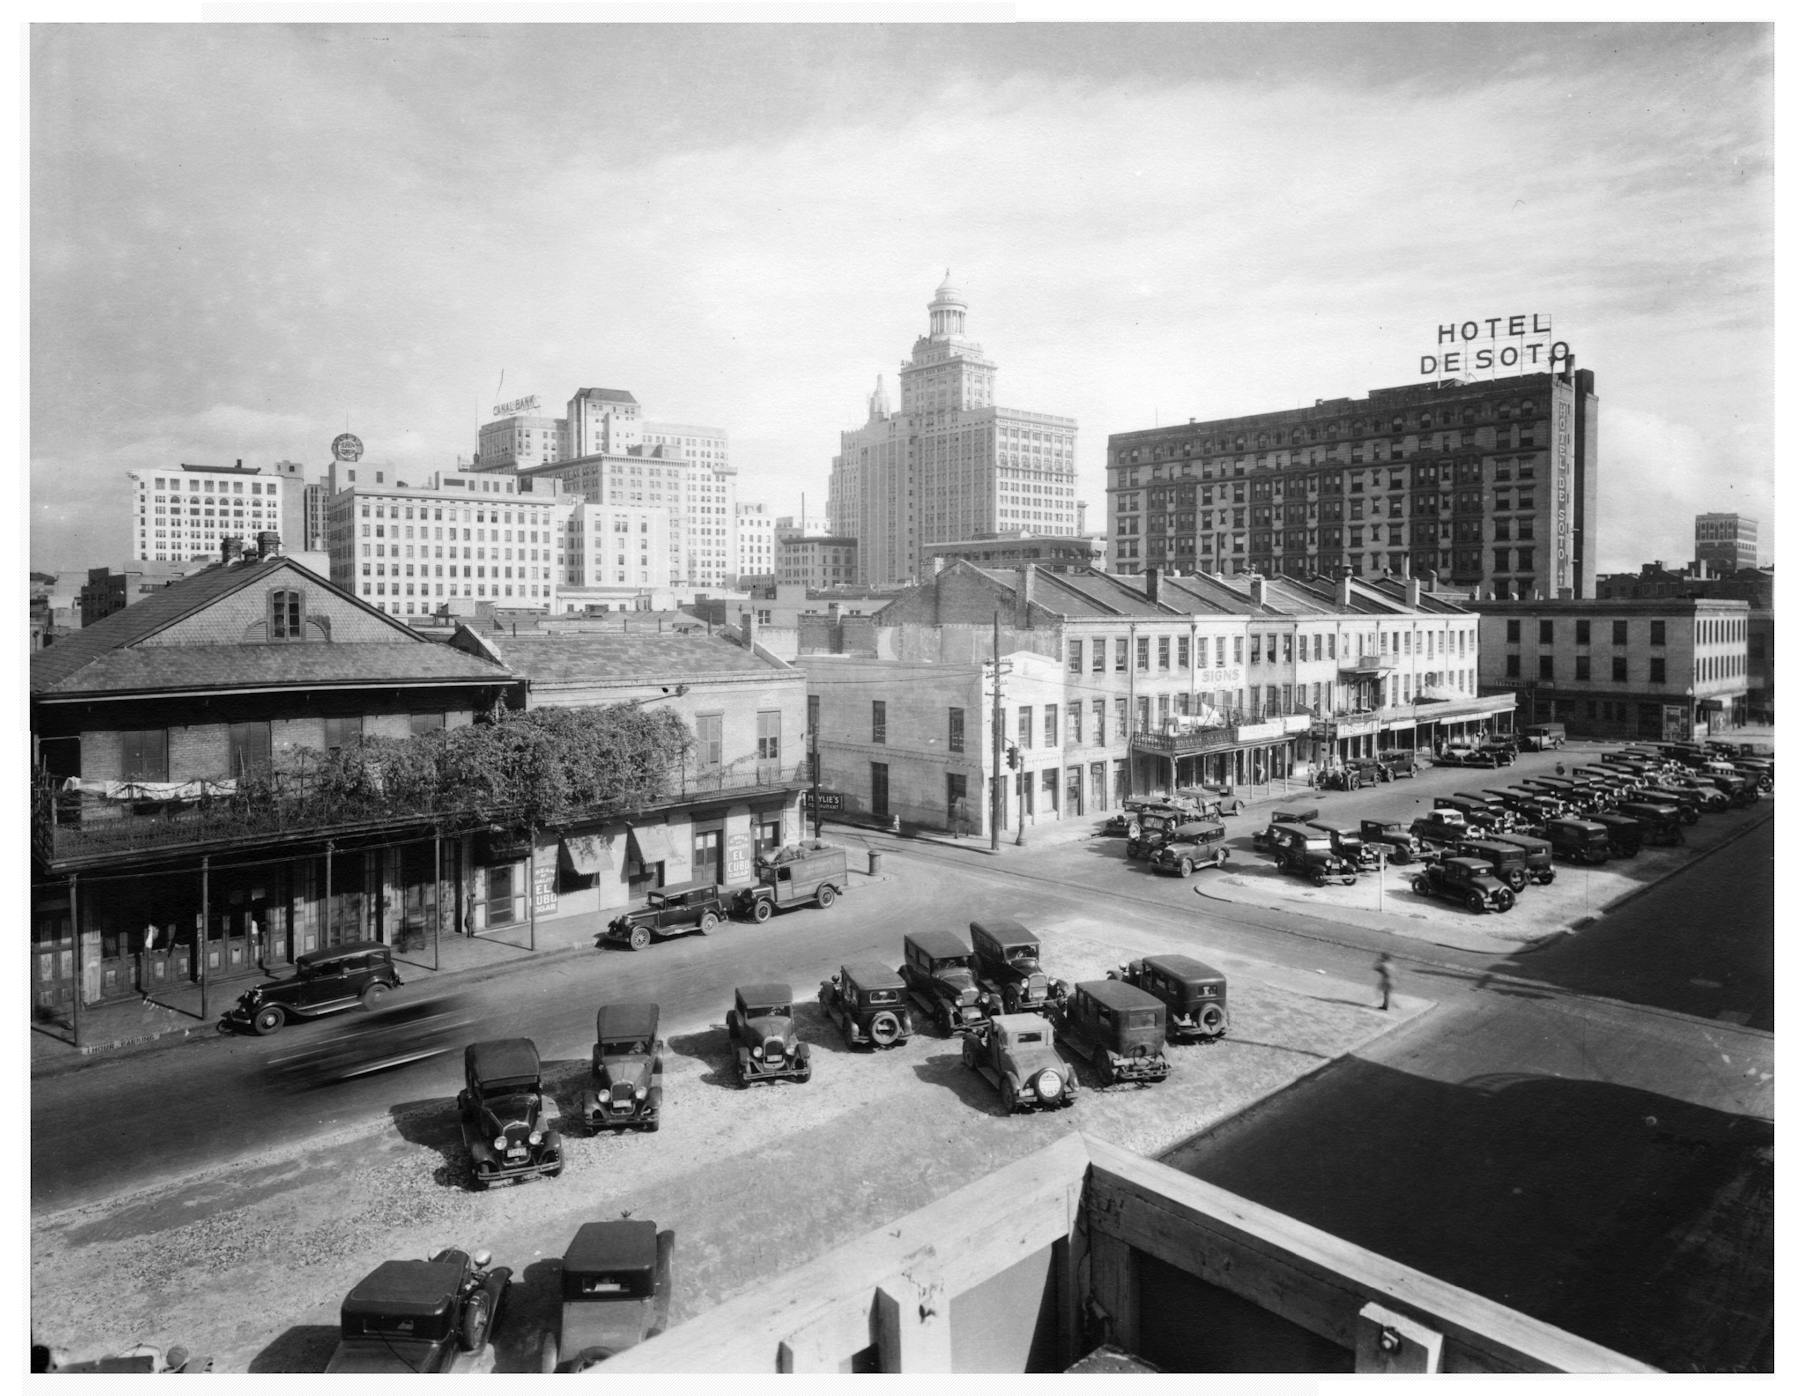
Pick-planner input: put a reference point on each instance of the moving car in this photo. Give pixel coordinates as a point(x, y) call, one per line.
point(1119, 1028)
point(501, 1107)
point(627, 1081)
point(1189, 846)
point(614, 1285)
point(669, 911)
point(415, 1031)
point(764, 1042)
point(324, 981)
point(868, 1003)
point(1016, 1054)
point(420, 1315)
point(1545, 736)
point(1193, 994)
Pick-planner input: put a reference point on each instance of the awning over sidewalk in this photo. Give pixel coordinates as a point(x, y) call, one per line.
point(588, 855)
point(651, 843)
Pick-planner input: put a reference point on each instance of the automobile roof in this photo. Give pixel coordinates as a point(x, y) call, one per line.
point(1585, 824)
point(1003, 928)
point(1117, 995)
point(1196, 828)
point(769, 992)
point(1183, 967)
point(1474, 865)
point(403, 1288)
point(940, 945)
point(677, 888)
point(872, 974)
point(313, 958)
point(1527, 841)
point(502, 1058)
point(1351, 831)
point(626, 1244)
point(625, 1020)
point(1014, 1023)
point(1294, 814)
point(1660, 806)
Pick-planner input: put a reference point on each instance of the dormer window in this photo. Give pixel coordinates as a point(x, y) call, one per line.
point(287, 614)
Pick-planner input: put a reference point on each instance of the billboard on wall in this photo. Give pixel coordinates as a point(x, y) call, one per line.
point(1562, 474)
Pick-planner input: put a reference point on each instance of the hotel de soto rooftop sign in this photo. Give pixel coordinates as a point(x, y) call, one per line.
point(1499, 344)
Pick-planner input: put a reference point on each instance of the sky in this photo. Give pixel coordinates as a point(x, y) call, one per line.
point(247, 238)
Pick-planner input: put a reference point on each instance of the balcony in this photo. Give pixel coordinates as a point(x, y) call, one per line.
point(71, 829)
point(1364, 667)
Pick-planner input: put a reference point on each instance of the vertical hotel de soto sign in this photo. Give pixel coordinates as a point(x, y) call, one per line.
point(1509, 345)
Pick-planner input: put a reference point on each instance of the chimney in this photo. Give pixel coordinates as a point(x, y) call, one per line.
point(268, 544)
point(1343, 591)
point(1412, 591)
point(231, 550)
point(1023, 596)
point(747, 623)
point(1258, 589)
point(1152, 585)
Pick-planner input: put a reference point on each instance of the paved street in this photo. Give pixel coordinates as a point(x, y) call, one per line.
point(1492, 1130)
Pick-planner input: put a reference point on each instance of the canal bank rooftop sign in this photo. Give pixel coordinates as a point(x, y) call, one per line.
point(1500, 344)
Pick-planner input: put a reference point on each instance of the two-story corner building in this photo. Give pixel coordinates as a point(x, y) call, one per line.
point(1664, 669)
point(738, 794)
point(142, 725)
point(1158, 682)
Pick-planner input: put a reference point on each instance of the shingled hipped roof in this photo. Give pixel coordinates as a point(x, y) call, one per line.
point(626, 657)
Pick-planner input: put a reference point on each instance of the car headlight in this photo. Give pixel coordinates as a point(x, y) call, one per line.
point(499, 1141)
point(537, 1137)
point(640, 1093)
point(756, 1051)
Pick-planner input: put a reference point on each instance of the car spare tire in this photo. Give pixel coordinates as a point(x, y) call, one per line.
point(471, 1333)
point(884, 1029)
point(1048, 1084)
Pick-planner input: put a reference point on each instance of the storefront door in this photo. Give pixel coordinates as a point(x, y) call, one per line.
point(708, 866)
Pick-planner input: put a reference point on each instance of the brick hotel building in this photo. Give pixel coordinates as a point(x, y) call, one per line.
point(1491, 486)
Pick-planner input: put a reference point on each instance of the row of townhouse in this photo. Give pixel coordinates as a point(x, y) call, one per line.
point(147, 869)
point(1113, 686)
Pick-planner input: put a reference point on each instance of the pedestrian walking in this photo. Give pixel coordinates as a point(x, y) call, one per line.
point(1384, 976)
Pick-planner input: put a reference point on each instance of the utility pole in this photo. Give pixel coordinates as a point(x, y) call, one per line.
point(996, 791)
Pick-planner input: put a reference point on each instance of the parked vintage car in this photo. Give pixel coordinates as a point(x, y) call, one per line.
point(1660, 823)
point(1122, 822)
point(1502, 749)
point(1119, 1028)
point(1347, 843)
point(1625, 834)
point(1296, 814)
point(1660, 791)
point(764, 1043)
point(1579, 840)
point(420, 1315)
point(1401, 765)
point(809, 874)
point(1016, 1054)
point(1303, 851)
point(1479, 811)
point(1439, 828)
point(868, 1003)
point(1505, 859)
point(501, 1107)
point(1465, 756)
point(669, 911)
point(1401, 844)
point(1527, 806)
point(1545, 736)
point(323, 982)
point(1577, 799)
point(414, 1031)
point(1210, 801)
point(627, 1077)
point(1540, 867)
point(614, 1285)
point(1193, 994)
point(1008, 966)
point(1466, 880)
point(1200, 843)
point(939, 973)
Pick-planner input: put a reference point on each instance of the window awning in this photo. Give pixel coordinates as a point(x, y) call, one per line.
point(587, 855)
point(651, 843)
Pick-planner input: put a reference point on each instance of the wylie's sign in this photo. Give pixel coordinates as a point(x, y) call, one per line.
point(1504, 343)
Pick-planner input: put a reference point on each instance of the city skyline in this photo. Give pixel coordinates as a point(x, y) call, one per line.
point(247, 238)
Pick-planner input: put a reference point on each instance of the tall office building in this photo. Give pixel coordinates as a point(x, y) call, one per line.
point(950, 463)
point(608, 546)
point(463, 537)
point(521, 439)
point(1490, 485)
point(755, 543)
point(1726, 543)
point(184, 512)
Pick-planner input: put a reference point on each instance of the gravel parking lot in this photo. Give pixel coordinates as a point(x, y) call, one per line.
point(249, 1264)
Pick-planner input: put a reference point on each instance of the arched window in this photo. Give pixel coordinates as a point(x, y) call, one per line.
point(287, 614)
